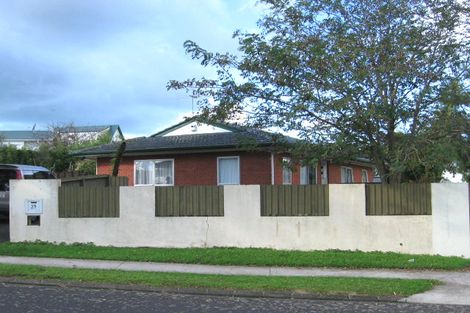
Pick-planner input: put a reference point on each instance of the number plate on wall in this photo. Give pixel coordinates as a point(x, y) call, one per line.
point(33, 207)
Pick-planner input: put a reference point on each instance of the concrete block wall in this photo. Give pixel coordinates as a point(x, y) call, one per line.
point(451, 219)
point(446, 232)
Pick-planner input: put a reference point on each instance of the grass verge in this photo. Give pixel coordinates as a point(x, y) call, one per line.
point(322, 285)
point(237, 256)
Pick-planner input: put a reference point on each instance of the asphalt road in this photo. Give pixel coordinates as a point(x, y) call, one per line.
point(16, 298)
point(4, 231)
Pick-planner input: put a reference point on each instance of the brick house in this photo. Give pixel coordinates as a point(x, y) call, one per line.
point(196, 153)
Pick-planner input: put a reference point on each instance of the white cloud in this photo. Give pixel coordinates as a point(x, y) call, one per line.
point(106, 62)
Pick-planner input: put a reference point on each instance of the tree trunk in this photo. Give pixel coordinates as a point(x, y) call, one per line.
point(117, 159)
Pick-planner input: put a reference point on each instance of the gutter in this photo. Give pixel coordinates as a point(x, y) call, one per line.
point(360, 163)
point(172, 151)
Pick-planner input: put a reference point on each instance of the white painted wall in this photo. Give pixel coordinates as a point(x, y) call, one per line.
point(45, 190)
point(451, 219)
point(346, 228)
point(196, 128)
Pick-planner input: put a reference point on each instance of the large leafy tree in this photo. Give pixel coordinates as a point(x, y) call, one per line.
point(359, 77)
point(446, 142)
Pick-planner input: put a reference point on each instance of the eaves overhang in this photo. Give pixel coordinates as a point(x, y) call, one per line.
point(182, 150)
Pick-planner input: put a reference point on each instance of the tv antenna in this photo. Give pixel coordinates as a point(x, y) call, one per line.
point(193, 96)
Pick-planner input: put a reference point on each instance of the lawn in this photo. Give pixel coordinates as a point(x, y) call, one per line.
point(238, 256)
point(321, 285)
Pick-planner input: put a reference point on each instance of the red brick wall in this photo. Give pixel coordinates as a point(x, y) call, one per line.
point(126, 168)
point(103, 167)
point(201, 168)
point(278, 167)
point(255, 168)
point(335, 173)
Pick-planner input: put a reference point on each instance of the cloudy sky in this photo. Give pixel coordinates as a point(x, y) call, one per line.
point(96, 62)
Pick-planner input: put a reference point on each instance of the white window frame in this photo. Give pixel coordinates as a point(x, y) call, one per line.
point(238, 165)
point(315, 168)
point(324, 172)
point(286, 166)
point(352, 174)
point(153, 172)
point(367, 176)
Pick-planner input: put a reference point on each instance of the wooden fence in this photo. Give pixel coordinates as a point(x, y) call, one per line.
point(95, 181)
point(189, 201)
point(279, 200)
point(88, 201)
point(94, 200)
point(402, 199)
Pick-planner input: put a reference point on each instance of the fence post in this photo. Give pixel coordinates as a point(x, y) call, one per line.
point(451, 219)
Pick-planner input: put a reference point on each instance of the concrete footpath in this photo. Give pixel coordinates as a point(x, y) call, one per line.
point(454, 290)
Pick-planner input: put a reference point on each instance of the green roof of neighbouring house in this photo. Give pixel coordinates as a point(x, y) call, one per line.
point(25, 135)
point(92, 129)
point(42, 135)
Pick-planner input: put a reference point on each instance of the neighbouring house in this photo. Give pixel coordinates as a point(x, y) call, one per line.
point(197, 153)
point(32, 139)
point(24, 138)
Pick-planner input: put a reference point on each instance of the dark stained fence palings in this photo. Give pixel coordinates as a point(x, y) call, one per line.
point(189, 201)
point(80, 202)
point(291, 200)
point(398, 199)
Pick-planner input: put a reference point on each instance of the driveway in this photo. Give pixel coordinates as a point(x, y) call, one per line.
point(4, 230)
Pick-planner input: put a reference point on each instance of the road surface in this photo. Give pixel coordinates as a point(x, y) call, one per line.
point(16, 298)
point(4, 230)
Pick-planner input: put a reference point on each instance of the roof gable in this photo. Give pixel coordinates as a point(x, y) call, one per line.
point(194, 127)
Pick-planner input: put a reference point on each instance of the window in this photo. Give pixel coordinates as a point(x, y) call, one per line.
point(154, 172)
point(286, 171)
point(308, 175)
point(346, 175)
point(164, 172)
point(42, 175)
point(228, 170)
point(364, 176)
point(143, 172)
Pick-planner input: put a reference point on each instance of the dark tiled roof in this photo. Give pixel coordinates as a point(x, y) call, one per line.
point(239, 138)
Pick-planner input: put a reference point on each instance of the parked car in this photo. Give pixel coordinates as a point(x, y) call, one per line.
point(17, 171)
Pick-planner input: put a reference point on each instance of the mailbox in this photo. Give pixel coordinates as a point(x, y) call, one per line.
point(33, 207)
